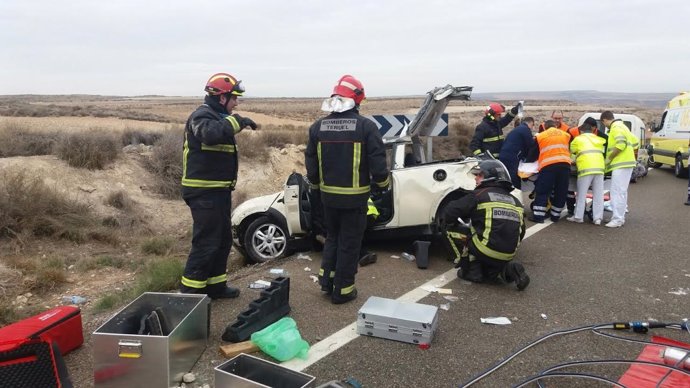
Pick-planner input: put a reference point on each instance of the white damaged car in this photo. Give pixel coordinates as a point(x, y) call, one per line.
point(275, 225)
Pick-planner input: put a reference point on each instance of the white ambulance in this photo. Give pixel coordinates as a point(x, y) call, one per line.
point(669, 144)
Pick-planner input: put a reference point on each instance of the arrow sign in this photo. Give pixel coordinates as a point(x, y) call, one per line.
point(392, 125)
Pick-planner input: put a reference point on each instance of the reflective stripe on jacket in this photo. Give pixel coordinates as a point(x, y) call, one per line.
point(588, 152)
point(345, 151)
point(209, 159)
point(620, 137)
point(553, 147)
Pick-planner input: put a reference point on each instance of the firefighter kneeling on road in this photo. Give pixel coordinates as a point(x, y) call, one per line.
point(485, 248)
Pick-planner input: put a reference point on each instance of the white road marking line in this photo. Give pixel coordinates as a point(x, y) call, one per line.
point(340, 338)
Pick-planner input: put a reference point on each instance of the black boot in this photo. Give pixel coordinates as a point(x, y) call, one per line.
point(337, 298)
point(368, 258)
point(515, 272)
point(472, 272)
point(222, 291)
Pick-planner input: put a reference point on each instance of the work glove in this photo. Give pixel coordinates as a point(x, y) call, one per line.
point(245, 122)
point(514, 110)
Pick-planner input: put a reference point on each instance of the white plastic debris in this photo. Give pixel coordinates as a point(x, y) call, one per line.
point(444, 306)
point(188, 377)
point(260, 284)
point(314, 278)
point(496, 321)
point(543, 316)
point(307, 269)
point(451, 298)
point(278, 272)
point(302, 256)
point(679, 291)
point(429, 288)
point(395, 257)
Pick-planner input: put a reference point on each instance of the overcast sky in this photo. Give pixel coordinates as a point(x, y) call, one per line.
point(294, 48)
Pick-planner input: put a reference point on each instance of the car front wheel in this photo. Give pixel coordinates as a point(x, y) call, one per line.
point(265, 240)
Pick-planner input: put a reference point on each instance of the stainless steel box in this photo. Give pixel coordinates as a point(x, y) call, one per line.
point(407, 322)
point(245, 371)
point(124, 358)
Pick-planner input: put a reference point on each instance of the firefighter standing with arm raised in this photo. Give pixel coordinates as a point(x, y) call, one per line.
point(488, 136)
point(344, 154)
point(496, 228)
point(208, 177)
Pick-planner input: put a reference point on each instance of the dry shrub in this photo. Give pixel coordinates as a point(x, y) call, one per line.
point(254, 145)
point(93, 149)
point(166, 164)
point(29, 206)
point(120, 200)
point(135, 137)
point(158, 246)
point(19, 140)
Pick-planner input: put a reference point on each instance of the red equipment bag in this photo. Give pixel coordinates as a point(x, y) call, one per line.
point(32, 363)
point(647, 376)
point(60, 325)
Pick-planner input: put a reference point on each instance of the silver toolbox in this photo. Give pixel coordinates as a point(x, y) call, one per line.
point(407, 322)
point(124, 358)
point(245, 371)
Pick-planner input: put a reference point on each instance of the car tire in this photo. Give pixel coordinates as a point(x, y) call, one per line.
point(265, 240)
point(678, 169)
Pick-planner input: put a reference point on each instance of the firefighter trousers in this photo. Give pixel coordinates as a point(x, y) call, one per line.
point(344, 233)
point(211, 240)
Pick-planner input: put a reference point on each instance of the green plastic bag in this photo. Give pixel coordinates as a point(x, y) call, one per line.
point(281, 340)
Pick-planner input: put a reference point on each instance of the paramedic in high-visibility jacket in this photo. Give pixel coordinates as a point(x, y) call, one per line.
point(587, 151)
point(554, 172)
point(345, 153)
point(620, 161)
point(484, 250)
point(209, 174)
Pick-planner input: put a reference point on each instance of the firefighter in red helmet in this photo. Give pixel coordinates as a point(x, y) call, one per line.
point(345, 156)
point(488, 136)
point(209, 175)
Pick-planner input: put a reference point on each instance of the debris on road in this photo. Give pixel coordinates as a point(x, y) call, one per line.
point(307, 269)
point(278, 272)
point(259, 284)
point(543, 316)
point(395, 257)
point(679, 291)
point(444, 306)
point(451, 298)
point(302, 256)
point(496, 321)
point(314, 278)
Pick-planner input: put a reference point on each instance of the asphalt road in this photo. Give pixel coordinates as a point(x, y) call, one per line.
point(581, 275)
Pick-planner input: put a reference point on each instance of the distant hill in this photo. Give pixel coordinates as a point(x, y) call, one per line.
point(652, 100)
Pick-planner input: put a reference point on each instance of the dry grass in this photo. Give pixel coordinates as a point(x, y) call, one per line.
point(166, 164)
point(28, 207)
point(132, 136)
point(93, 150)
point(17, 140)
point(254, 145)
point(120, 200)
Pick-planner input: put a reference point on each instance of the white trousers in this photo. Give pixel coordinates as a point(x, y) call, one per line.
point(596, 181)
point(620, 180)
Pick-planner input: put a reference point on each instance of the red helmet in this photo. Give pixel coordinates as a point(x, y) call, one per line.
point(350, 87)
point(495, 109)
point(222, 83)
